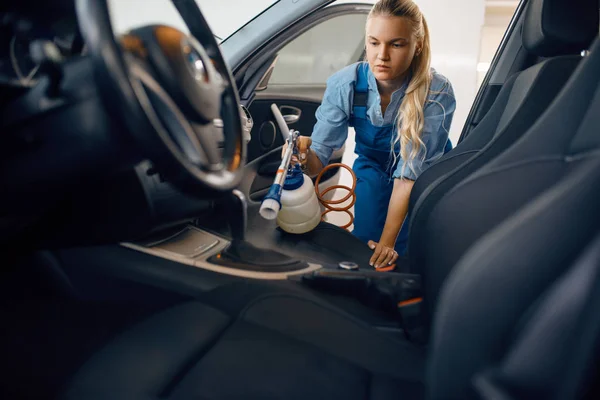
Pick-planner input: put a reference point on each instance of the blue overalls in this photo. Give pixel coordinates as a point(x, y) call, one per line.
point(373, 168)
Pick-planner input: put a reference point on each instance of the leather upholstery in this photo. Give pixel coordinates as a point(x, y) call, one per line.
point(448, 216)
point(508, 281)
point(553, 28)
point(532, 92)
point(194, 350)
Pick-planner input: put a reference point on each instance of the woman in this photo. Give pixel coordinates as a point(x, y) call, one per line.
point(401, 127)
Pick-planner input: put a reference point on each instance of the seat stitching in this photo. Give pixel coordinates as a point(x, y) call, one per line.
point(495, 138)
point(582, 155)
point(419, 207)
point(504, 168)
point(440, 162)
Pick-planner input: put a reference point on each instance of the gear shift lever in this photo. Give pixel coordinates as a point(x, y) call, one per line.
point(243, 255)
point(236, 212)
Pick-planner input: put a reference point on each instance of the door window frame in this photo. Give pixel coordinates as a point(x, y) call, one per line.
point(245, 74)
point(502, 65)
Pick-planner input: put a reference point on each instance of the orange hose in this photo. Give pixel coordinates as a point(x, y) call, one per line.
point(331, 205)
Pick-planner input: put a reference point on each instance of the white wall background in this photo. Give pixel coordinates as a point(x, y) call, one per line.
point(455, 28)
point(497, 18)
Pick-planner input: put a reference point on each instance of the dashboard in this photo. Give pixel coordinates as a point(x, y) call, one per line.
point(19, 30)
point(66, 161)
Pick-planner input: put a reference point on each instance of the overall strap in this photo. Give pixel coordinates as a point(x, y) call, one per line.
point(361, 90)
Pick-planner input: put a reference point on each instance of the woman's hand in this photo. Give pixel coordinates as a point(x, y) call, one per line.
point(303, 144)
point(383, 255)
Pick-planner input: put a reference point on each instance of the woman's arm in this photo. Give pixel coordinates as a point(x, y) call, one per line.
point(384, 253)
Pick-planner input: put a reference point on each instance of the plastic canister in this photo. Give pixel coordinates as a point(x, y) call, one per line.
point(300, 210)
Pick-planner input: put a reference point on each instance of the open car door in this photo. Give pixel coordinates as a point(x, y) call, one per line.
point(291, 71)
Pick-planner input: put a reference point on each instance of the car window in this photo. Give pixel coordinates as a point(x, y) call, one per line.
point(227, 16)
point(321, 51)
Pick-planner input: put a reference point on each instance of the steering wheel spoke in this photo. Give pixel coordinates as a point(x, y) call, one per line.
point(210, 135)
point(164, 114)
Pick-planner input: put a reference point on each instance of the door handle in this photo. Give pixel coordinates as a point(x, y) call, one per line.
point(290, 119)
point(290, 114)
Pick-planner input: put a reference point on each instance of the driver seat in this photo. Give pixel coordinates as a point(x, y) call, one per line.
point(274, 340)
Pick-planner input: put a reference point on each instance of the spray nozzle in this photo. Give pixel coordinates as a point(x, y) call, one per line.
point(295, 176)
point(293, 139)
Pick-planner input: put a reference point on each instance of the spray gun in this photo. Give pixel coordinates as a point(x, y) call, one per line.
point(292, 198)
point(272, 202)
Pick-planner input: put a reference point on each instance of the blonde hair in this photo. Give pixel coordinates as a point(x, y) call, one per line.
point(410, 119)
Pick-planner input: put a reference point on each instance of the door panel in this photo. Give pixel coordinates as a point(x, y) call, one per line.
point(266, 136)
point(262, 132)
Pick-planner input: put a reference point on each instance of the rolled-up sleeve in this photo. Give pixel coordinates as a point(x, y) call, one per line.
point(331, 130)
point(438, 114)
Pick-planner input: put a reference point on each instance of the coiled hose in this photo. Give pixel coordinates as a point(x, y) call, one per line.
point(332, 205)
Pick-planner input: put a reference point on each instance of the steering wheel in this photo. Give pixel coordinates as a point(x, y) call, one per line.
point(171, 91)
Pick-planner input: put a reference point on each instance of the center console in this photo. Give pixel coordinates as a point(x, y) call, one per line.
point(254, 249)
point(200, 248)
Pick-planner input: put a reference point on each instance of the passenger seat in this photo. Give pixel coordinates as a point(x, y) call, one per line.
point(474, 187)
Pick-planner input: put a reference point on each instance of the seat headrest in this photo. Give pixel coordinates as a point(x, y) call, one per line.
point(560, 27)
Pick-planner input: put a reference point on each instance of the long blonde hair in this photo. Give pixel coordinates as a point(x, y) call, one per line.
point(410, 119)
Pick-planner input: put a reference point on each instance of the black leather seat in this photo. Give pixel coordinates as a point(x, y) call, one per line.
point(254, 342)
point(448, 215)
point(258, 340)
point(553, 31)
point(513, 330)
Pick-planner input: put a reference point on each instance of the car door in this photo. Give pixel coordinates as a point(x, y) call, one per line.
point(292, 72)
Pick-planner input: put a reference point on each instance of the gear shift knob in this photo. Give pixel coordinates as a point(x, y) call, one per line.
point(237, 214)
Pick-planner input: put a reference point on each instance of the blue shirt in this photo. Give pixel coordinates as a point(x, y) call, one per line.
point(331, 130)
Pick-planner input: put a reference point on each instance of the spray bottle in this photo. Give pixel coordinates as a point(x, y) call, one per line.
point(291, 198)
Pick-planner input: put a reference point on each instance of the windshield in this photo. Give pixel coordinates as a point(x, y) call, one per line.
point(227, 16)
point(223, 16)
